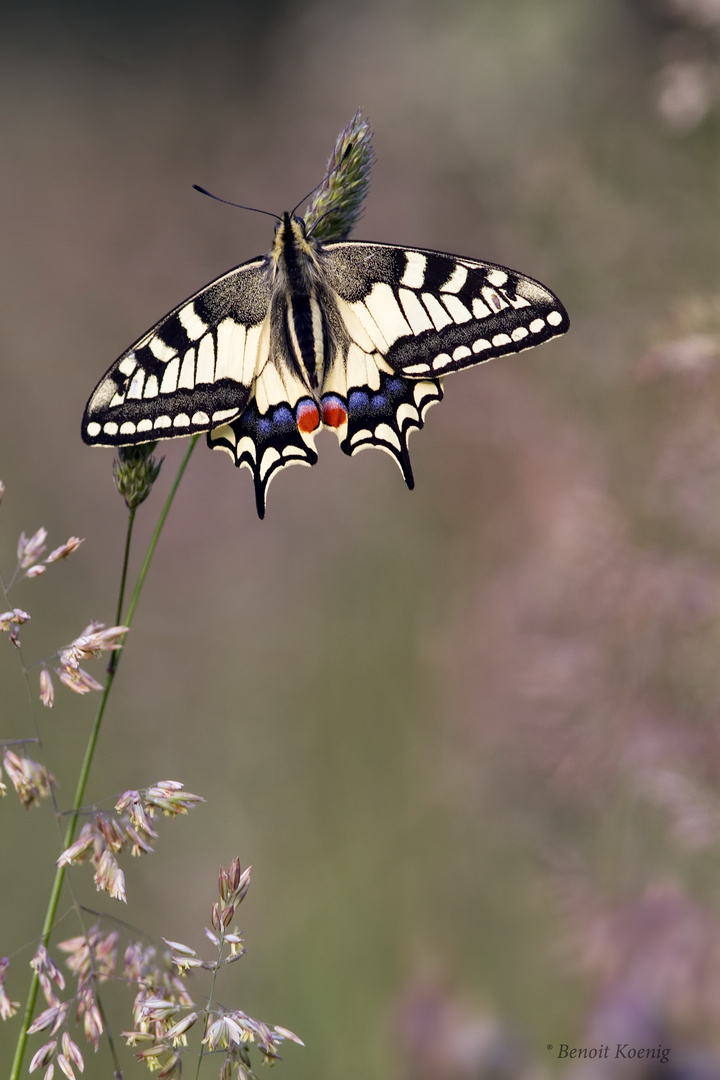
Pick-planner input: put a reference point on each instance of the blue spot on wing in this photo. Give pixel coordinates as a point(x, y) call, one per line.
point(358, 401)
point(283, 418)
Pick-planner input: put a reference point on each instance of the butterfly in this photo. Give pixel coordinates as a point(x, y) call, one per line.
point(347, 335)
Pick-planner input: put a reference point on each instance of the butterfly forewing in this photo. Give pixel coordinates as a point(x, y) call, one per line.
point(429, 313)
point(193, 371)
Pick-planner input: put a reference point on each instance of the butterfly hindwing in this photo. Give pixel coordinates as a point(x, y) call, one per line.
point(429, 313)
point(264, 443)
point(193, 370)
point(276, 429)
point(384, 417)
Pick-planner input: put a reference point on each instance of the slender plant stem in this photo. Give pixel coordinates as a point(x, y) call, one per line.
point(156, 535)
point(90, 751)
point(60, 871)
point(211, 998)
point(112, 663)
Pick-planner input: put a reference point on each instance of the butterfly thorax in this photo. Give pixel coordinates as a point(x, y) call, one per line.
point(299, 324)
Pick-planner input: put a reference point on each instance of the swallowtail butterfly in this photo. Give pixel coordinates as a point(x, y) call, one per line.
point(352, 336)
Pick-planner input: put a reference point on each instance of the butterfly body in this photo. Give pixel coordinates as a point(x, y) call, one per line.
point(352, 336)
point(305, 325)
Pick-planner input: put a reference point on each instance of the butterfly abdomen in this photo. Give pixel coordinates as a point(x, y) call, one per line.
point(306, 337)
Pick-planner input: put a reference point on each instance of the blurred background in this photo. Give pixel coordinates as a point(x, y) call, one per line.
point(467, 736)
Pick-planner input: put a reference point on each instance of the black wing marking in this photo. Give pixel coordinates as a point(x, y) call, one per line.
point(192, 371)
point(428, 313)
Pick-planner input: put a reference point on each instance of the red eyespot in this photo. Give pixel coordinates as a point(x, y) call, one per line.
point(334, 413)
point(307, 416)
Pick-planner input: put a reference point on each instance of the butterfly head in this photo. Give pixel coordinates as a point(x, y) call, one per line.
point(291, 247)
point(288, 225)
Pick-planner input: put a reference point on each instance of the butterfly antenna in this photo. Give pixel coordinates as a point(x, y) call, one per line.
point(253, 209)
point(324, 179)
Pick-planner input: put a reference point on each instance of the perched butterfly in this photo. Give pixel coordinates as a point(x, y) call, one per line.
point(348, 335)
